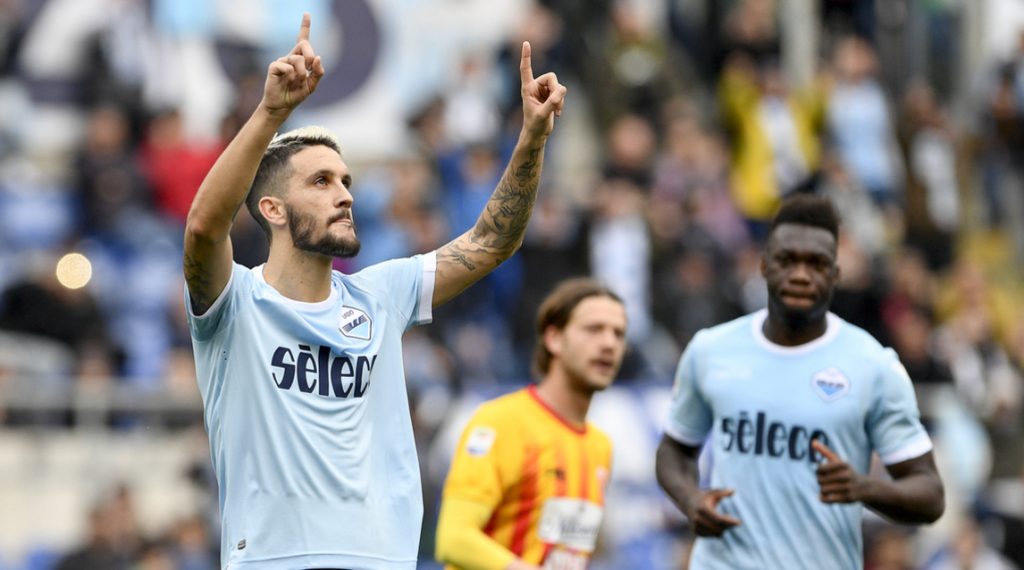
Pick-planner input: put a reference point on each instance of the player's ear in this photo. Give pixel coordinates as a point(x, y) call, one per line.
point(553, 340)
point(274, 211)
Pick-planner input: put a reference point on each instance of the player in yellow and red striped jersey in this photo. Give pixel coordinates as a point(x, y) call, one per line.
point(526, 485)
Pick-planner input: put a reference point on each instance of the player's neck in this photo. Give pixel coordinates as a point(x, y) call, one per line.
point(298, 275)
point(571, 405)
point(784, 333)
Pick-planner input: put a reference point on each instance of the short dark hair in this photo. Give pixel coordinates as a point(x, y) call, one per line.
point(807, 210)
point(275, 166)
point(557, 308)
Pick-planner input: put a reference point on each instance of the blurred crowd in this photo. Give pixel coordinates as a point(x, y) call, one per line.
point(683, 130)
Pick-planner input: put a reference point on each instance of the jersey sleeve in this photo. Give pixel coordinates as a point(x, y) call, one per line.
point(894, 423)
point(461, 541)
point(203, 327)
point(486, 448)
point(690, 416)
point(406, 285)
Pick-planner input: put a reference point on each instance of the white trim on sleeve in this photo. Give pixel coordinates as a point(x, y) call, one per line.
point(426, 304)
point(915, 448)
point(675, 433)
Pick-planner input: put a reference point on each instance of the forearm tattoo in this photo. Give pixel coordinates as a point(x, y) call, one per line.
point(200, 284)
point(500, 228)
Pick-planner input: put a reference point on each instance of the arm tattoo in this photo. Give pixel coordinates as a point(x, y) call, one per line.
point(503, 222)
point(199, 284)
point(456, 253)
point(500, 228)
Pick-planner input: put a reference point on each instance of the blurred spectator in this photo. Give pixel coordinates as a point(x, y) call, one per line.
point(751, 30)
point(100, 550)
point(691, 297)
point(911, 333)
point(691, 185)
point(545, 30)
point(859, 293)
point(110, 181)
point(1003, 142)
point(860, 122)
point(175, 166)
point(630, 150)
point(12, 33)
point(620, 250)
point(843, 17)
point(555, 248)
point(933, 193)
point(863, 221)
point(192, 547)
point(113, 539)
point(472, 112)
point(969, 549)
point(889, 549)
point(985, 377)
point(774, 135)
point(636, 70)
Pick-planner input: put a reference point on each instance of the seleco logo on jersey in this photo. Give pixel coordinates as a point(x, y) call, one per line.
point(355, 323)
point(830, 384)
point(756, 435)
point(326, 374)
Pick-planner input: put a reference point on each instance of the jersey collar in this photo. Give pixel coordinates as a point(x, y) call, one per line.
point(832, 326)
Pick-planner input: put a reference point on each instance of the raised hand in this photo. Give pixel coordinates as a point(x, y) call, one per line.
point(293, 77)
point(543, 97)
point(705, 520)
point(839, 482)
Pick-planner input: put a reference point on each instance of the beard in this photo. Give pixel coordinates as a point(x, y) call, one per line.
point(302, 228)
point(583, 380)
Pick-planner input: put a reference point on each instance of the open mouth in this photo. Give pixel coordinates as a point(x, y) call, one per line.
point(605, 366)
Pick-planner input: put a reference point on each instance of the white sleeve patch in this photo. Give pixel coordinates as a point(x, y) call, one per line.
point(480, 441)
point(425, 314)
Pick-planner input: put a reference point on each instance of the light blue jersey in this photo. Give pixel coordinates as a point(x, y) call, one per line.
point(762, 404)
point(306, 409)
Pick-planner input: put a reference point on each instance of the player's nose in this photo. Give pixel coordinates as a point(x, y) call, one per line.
point(344, 198)
point(800, 273)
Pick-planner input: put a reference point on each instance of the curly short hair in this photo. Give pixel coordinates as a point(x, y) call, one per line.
point(807, 210)
point(275, 167)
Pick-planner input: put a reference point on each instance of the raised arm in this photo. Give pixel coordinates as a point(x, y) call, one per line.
point(499, 230)
point(208, 256)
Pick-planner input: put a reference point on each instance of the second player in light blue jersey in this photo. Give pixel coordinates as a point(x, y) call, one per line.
point(792, 402)
point(300, 367)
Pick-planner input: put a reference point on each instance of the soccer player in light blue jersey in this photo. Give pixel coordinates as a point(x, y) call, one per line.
point(299, 366)
point(792, 401)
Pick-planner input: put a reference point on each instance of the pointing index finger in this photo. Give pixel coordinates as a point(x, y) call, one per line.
point(304, 29)
point(525, 65)
point(823, 449)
